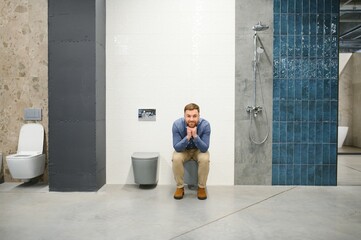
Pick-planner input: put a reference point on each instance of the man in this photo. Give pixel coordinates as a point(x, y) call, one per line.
point(191, 141)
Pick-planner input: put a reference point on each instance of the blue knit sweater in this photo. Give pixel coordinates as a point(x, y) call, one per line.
point(180, 141)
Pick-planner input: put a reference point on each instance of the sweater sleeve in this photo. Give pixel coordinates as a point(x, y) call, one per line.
point(179, 142)
point(202, 141)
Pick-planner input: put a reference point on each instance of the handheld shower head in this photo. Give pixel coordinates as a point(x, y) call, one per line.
point(260, 27)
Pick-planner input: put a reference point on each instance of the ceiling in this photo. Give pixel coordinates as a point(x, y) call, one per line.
point(350, 26)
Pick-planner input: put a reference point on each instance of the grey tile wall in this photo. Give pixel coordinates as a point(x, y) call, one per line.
point(253, 162)
point(305, 92)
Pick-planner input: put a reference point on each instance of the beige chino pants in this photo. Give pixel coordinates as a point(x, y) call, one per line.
point(193, 154)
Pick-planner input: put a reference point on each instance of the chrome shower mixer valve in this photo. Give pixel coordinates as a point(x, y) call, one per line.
point(255, 110)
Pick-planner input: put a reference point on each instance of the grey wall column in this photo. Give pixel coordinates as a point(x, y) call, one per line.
point(253, 163)
point(76, 95)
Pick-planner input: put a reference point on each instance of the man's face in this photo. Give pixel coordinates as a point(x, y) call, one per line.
point(191, 117)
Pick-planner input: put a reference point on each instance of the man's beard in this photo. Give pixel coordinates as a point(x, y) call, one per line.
point(192, 124)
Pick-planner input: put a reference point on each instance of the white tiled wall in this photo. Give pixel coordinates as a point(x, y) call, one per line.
point(164, 54)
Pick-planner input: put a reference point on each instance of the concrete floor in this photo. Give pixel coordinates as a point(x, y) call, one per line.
point(349, 170)
point(349, 150)
point(30, 211)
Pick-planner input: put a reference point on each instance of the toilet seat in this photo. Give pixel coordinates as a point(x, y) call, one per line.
point(31, 139)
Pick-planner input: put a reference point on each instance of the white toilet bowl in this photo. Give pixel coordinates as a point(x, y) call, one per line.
point(29, 161)
point(342, 133)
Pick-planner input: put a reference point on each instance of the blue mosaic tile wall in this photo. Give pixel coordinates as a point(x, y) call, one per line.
point(305, 92)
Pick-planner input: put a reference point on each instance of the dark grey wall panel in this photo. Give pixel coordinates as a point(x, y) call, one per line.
point(64, 182)
point(72, 20)
point(100, 153)
point(64, 108)
point(72, 82)
point(100, 90)
point(100, 22)
point(76, 95)
point(79, 154)
point(73, 61)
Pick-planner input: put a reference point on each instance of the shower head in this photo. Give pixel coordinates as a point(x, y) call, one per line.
point(260, 27)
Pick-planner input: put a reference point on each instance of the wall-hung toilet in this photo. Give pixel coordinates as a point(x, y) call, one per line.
point(342, 133)
point(191, 174)
point(145, 168)
point(29, 160)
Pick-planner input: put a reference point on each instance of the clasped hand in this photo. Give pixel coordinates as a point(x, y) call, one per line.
point(191, 132)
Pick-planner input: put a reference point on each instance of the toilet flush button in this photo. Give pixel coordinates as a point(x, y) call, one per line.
point(32, 114)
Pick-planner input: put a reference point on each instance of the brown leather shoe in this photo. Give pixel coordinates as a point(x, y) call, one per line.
point(179, 193)
point(202, 195)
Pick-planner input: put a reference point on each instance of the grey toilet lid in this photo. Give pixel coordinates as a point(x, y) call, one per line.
point(145, 155)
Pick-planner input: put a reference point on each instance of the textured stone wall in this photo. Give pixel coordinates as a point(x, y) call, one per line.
point(349, 100)
point(23, 69)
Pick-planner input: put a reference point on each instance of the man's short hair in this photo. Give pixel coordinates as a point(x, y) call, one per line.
point(191, 106)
